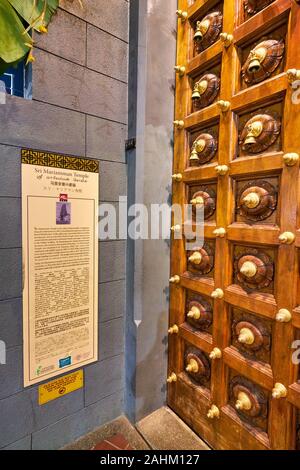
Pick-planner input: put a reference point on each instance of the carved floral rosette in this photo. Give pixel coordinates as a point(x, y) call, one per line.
point(211, 92)
point(205, 320)
point(268, 197)
point(207, 261)
point(264, 270)
point(203, 373)
point(268, 61)
point(209, 197)
point(210, 35)
point(208, 152)
point(256, 141)
point(262, 338)
point(257, 397)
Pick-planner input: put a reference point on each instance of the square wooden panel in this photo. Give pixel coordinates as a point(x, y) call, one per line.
point(251, 335)
point(257, 201)
point(206, 154)
point(272, 65)
point(213, 13)
point(208, 193)
point(254, 269)
point(201, 375)
point(267, 121)
point(240, 390)
point(197, 303)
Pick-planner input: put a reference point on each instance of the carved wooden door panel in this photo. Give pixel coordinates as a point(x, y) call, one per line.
point(235, 302)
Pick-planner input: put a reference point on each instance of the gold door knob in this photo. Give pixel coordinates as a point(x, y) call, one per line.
point(224, 105)
point(176, 228)
point(217, 294)
point(215, 354)
point(177, 177)
point(252, 200)
point(180, 69)
point(243, 402)
point(172, 378)
point(279, 391)
point(227, 39)
point(293, 75)
point(175, 280)
point(213, 412)
point(220, 232)
point(284, 316)
point(291, 159)
point(196, 258)
point(179, 124)
point(194, 313)
point(192, 366)
point(222, 169)
point(174, 330)
point(287, 238)
point(246, 336)
point(198, 201)
point(182, 15)
point(249, 269)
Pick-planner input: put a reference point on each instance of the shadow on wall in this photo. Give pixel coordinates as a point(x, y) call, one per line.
point(144, 396)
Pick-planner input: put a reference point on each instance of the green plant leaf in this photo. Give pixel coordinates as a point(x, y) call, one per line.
point(12, 38)
point(32, 11)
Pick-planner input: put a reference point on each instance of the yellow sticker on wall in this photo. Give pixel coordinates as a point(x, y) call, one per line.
point(60, 387)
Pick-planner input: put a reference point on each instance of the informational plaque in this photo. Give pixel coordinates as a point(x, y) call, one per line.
point(60, 263)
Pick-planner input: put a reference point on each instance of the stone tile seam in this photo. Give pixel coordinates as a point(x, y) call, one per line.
point(97, 27)
point(14, 442)
point(34, 386)
point(94, 402)
point(76, 111)
point(80, 409)
point(80, 155)
point(72, 414)
point(80, 65)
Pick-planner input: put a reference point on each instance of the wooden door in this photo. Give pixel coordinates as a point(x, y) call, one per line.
point(235, 302)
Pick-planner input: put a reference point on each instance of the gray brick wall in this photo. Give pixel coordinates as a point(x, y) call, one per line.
point(79, 107)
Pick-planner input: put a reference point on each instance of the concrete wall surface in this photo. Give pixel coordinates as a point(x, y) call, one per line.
point(79, 107)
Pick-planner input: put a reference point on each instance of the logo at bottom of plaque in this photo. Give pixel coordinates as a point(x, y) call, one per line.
point(67, 361)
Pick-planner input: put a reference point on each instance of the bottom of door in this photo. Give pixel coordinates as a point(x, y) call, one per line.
point(226, 432)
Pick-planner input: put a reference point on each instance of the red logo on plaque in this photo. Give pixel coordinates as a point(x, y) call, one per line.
point(63, 198)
